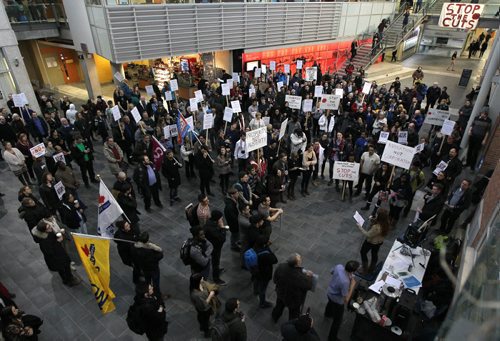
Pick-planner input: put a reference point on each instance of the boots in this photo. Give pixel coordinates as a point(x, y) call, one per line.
point(367, 206)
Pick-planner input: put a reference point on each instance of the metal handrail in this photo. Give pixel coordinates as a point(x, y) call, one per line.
point(382, 45)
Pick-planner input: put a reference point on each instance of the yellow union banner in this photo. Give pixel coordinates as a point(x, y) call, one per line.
point(94, 253)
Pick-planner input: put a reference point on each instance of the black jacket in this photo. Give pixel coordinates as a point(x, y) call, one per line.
point(129, 207)
point(291, 284)
point(432, 206)
point(32, 215)
point(142, 180)
point(49, 197)
point(231, 214)
point(69, 215)
point(54, 254)
point(237, 328)
point(215, 234)
point(205, 166)
point(170, 170)
point(124, 248)
point(147, 256)
point(266, 260)
point(464, 201)
point(79, 156)
point(151, 319)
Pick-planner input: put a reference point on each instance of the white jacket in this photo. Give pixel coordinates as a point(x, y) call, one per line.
point(71, 114)
point(15, 161)
point(323, 121)
point(298, 143)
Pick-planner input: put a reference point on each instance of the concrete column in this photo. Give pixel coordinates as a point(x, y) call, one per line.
point(90, 74)
point(117, 67)
point(491, 67)
point(20, 75)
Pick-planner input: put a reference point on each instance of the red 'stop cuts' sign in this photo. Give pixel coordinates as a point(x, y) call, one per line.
point(460, 15)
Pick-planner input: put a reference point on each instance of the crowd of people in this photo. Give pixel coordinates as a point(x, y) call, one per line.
point(254, 199)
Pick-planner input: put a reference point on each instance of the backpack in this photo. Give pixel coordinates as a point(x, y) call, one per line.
point(185, 251)
point(251, 258)
point(219, 330)
point(134, 320)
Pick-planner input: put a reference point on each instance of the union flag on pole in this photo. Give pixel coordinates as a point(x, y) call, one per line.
point(182, 128)
point(108, 211)
point(94, 253)
point(158, 153)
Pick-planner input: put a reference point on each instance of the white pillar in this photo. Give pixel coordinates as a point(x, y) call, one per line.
point(90, 74)
point(491, 67)
point(117, 67)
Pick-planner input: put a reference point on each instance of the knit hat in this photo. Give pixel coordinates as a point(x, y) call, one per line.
point(303, 324)
point(216, 215)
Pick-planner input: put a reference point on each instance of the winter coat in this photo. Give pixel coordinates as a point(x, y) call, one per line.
point(49, 197)
point(79, 156)
point(237, 327)
point(146, 256)
point(54, 254)
point(32, 215)
point(15, 161)
point(125, 248)
point(113, 164)
point(266, 260)
point(142, 180)
point(291, 284)
point(215, 234)
point(153, 321)
point(129, 207)
point(170, 170)
point(231, 214)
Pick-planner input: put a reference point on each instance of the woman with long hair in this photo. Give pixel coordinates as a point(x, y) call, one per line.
point(223, 164)
point(17, 163)
point(24, 145)
point(201, 299)
point(374, 239)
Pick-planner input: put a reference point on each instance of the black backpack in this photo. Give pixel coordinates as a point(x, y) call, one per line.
point(134, 320)
point(219, 330)
point(185, 251)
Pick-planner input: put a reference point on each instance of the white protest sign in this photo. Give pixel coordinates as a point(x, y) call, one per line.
point(307, 105)
point(116, 113)
point(174, 86)
point(436, 117)
point(279, 85)
point(318, 90)
point(311, 74)
point(173, 130)
point(230, 82)
point(299, 64)
point(190, 121)
point(339, 92)
point(441, 167)
point(447, 128)
point(460, 15)
point(60, 190)
point(266, 120)
point(59, 157)
point(118, 76)
point(294, 102)
point(166, 132)
point(403, 137)
point(366, 88)
point(228, 114)
point(330, 102)
point(359, 219)
point(193, 104)
point(38, 150)
point(251, 92)
point(19, 100)
point(168, 95)
point(236, 106)
point(283, 129)
point(345, 171)
point(256, 139)
point(208, 121)
point(236, 77)
point(398, 155)
point(258, 72)
point(287, 68)
point(226, 89)
point(264, 68)
point(272, 65)
point(149, 90)
point(384, 135)
point(199, 96)
point(419, 147)
point(135, 114)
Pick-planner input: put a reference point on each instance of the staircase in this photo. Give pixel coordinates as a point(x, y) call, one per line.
point(393, 35)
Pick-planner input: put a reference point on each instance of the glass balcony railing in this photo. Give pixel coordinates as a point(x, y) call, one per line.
point(20, 12)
